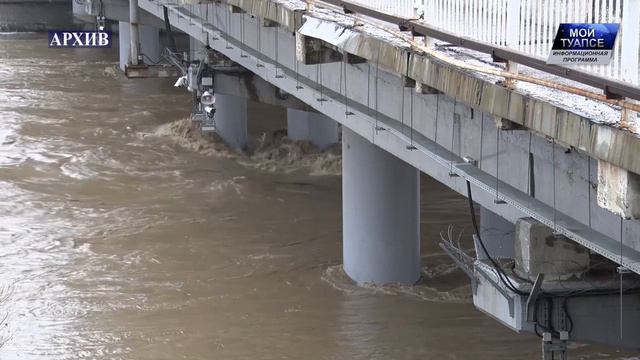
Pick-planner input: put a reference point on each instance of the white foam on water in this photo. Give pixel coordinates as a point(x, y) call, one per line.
point(274, 152)
point(338, 279)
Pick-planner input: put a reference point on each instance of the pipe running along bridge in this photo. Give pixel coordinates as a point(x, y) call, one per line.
point(458, 90)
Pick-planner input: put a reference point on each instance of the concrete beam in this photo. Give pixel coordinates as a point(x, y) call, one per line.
point(252, 87)
point(618, 190)
point(310, 51)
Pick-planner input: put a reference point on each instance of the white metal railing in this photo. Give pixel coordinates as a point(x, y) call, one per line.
point(530, 25)
point(404, 8)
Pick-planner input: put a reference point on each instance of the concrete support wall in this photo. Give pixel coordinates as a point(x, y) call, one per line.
point(497, 235)
point(231, 121)
point(317, 128)
point(381, 214)
point(149, 43)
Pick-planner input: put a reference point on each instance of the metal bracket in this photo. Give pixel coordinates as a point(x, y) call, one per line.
point(450, 250)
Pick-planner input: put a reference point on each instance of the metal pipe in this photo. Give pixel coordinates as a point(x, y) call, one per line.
point(134, 47)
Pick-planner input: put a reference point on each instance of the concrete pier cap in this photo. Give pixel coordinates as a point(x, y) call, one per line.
point(539, 251)
point(381, 214)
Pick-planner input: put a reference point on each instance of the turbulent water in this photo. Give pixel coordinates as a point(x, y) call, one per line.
point(124, 235)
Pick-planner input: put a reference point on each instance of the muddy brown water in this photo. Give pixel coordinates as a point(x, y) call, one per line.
point(123, 236)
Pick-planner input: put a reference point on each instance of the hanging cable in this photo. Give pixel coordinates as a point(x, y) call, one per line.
point(215, 20)
point(167, 27)
point(346, 93)
point(404, 90)
point(321, 99)
point(621, 271)
point(228, 26)
point(589, 186)
point(501, 275)
point(340, 79)
point(242, 30)
point(204, 32)
point(277, 65)
point(296, 64)
point(529, 166)
point(497, 200)
point(553, 163)
point(368, 85)
point(411, 146)
point(435, 131)
point(378, 128)
point(259, 40)
point(481, 139)
point(455, 104)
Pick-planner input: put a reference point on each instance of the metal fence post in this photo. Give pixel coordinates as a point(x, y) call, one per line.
point(428, 6)
point(513, 33)
point(630, 51)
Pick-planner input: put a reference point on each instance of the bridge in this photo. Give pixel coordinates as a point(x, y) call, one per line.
point(458, 90)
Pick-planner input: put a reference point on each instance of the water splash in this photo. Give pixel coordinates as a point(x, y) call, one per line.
point(338, 279)
point(273, 151)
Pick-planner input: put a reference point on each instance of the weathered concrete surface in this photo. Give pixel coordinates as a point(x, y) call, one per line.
point(539, 251)
point(618, 190)
point(497, 235)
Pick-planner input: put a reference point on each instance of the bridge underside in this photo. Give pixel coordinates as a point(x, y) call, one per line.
point(523, 159)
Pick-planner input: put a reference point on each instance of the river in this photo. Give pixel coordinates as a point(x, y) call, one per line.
point(125, 236)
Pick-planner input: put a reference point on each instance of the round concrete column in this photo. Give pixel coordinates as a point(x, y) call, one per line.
point(231, 120)
point(149, 43)
point(381, 214)
point(316, 128)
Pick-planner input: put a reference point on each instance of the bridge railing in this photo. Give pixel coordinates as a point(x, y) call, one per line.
point(530, 25)
point(404, 8)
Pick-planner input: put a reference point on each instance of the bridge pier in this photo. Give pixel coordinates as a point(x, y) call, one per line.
point(231, 121)
point(149, 43)
point(381, 214)
point(317, 128)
